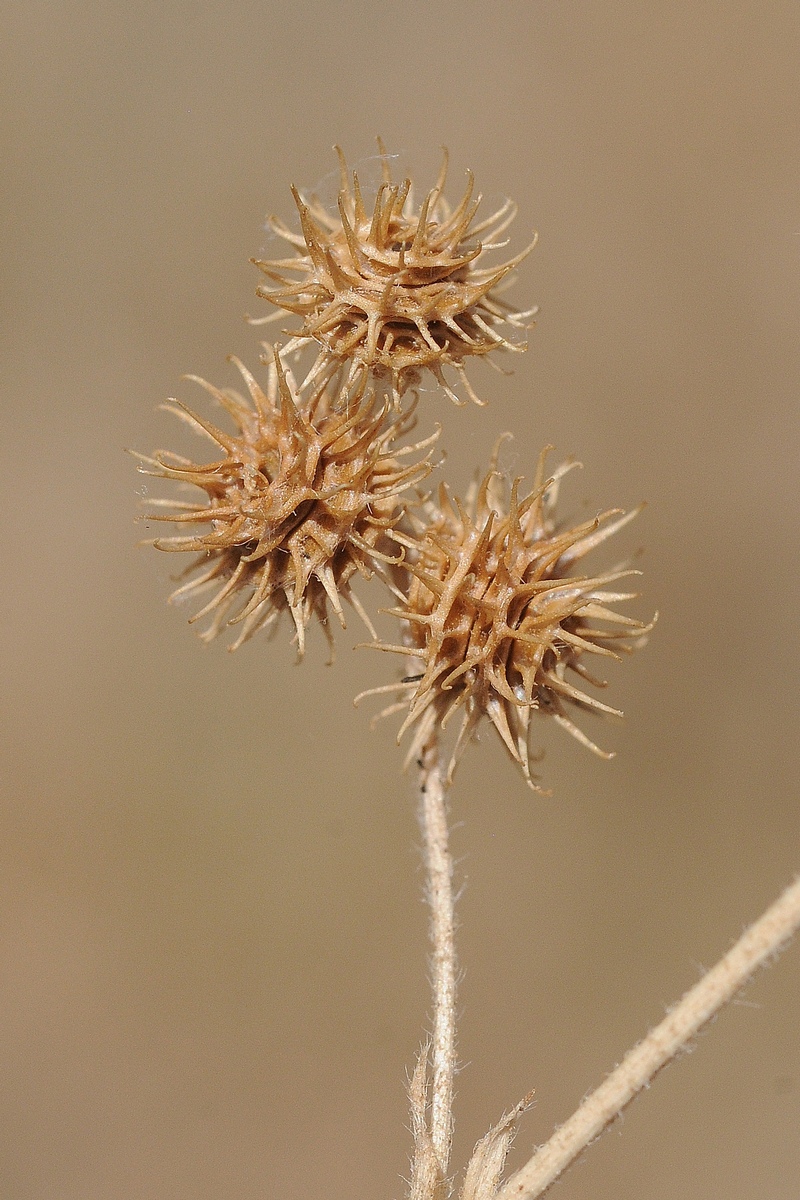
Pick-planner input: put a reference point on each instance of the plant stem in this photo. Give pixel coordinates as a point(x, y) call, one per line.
point(439, 881)
point(760, 943)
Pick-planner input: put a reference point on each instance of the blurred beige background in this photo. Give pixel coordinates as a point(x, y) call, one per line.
point(213, 941)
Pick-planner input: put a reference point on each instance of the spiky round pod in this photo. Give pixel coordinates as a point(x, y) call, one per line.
point(302, 497)
point(395, 289)
point(496, 619)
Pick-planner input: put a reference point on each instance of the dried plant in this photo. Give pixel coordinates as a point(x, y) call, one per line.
point(496, 619)
point(311, 489)
point(395, 289)
point(302, 499)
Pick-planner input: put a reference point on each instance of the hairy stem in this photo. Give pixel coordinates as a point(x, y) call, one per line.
point(761, 942)
point(439, 881)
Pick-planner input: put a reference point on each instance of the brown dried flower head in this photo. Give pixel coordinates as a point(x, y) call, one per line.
point(301, 498)
point(497, 620)
point(395, 289)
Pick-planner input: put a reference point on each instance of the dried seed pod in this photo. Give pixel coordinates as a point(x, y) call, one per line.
point(496, 620)
point(302, 497)
point(395, 289)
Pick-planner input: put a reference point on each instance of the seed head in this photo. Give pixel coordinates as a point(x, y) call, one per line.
point(496, 620)
point(302, 497)
point(396, 289)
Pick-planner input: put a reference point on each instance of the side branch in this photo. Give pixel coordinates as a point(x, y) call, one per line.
point(439, 880)
point(761, 942)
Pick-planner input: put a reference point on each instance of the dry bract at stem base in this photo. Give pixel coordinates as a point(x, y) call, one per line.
point(396, 289)
point(483, 1175)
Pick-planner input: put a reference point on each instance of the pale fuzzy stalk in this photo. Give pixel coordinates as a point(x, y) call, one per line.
point(439, 881)
point(761, 942)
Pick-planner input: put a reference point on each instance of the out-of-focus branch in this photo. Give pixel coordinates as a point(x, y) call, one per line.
point(760, 943)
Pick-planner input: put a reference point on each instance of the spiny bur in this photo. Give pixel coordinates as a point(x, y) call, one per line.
point(302, 497)
point(497, 619)
point(394, 288)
